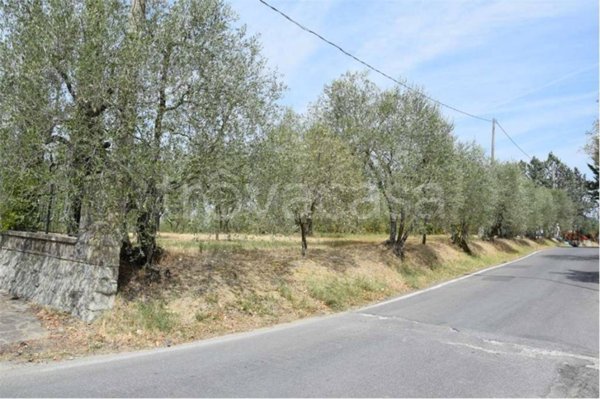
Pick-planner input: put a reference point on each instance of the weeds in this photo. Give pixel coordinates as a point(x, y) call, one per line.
point(257, 305)
point(201, 316)
point(155, 316)
point(286, 292)
point(225, 289)
point(411, 275)
point(339, 293)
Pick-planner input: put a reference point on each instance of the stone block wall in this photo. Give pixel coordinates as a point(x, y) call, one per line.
point(76, 275)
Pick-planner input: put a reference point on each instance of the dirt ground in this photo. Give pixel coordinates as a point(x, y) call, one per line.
point(17, 321)
point(204, 291)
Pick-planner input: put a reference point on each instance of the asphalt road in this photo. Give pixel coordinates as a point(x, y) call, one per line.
point(528, 328)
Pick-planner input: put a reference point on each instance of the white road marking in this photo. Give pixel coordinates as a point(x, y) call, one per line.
point(527, 351)
point(435, 287)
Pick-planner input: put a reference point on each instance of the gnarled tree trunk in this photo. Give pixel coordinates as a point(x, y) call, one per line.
point(460, 237)
point(401, 237)
point(393, 226)
point(302, 222)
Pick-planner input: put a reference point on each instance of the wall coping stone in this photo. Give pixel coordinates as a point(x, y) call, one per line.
point(74, 274)
point(36, 235)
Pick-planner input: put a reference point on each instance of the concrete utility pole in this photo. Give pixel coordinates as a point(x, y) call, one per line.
point(493, 139)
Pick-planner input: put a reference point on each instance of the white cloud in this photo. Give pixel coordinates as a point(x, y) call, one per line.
point(532, 64)
point(420, 34)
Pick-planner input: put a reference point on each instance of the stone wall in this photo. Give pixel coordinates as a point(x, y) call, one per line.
point(76, 275)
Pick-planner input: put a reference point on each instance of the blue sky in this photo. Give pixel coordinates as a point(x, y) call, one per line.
point(532, 64)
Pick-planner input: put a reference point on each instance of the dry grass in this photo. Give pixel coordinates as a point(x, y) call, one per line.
point(255, 281)
point(198, 243)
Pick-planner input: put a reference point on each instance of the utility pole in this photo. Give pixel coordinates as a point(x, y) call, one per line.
point(493, 139)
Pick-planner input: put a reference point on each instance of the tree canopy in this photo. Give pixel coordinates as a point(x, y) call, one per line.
point(154, 114)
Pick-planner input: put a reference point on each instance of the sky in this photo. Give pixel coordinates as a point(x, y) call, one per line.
point(531, 64)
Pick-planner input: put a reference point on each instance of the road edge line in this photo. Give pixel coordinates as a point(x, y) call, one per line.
point(448, 282)
point(122, 356)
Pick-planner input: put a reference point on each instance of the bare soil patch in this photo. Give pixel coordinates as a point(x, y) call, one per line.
point(210, 290)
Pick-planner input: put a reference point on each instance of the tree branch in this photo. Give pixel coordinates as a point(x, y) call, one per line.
point(67, 82)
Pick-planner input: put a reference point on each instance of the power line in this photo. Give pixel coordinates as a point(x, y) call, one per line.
point(298, 24)
point(510, 138)
point(369, 65)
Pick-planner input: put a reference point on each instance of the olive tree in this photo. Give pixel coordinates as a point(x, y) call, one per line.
point(408, 158)
point(59, 63)
point(511, 207)
point(310, 171)
point(474, 198)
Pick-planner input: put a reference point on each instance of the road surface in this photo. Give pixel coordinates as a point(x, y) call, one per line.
point(528, 328)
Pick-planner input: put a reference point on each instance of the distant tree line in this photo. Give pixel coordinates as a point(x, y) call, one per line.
point(148, 114)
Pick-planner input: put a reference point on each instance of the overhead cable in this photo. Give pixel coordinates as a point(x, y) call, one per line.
point(387, 76)
point(511, 139)
point(371, 67)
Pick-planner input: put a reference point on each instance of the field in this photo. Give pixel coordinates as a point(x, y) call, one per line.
point(209, 287)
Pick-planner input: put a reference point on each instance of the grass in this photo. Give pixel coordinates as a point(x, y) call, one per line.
point(286, 292)
point(340, 293)
point(154, 316)
point(220, 287)
point(200, 246)
point(256, 304)
point(199, 243)
point(486, 254)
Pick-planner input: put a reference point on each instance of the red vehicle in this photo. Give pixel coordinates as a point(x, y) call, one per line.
point(574, 238)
